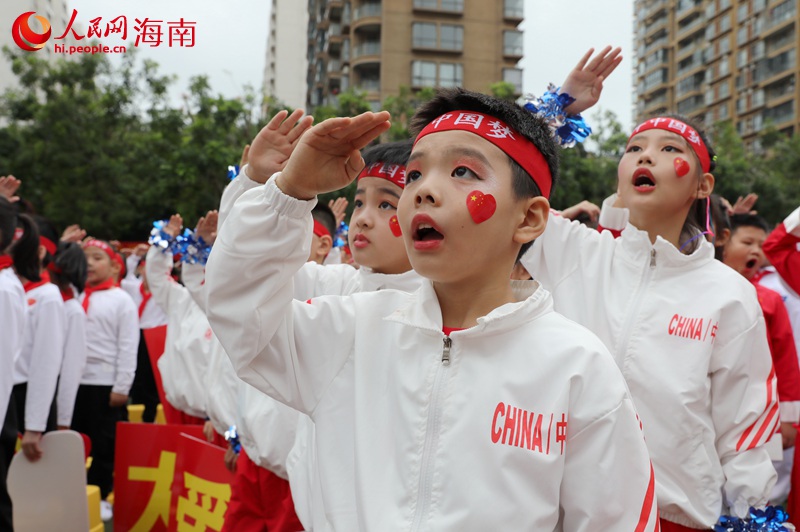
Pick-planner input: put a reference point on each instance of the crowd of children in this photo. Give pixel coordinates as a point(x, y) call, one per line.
point(486, 362)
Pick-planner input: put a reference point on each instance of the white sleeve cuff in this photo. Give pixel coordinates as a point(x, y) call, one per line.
point(615, 218)
point(792, 223)
point(790, 411)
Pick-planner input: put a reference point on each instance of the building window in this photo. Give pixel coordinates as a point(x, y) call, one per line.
point(724, 68)
point(451, 75)
point(741, 12)
point(724, 90)
point(451, 37)
point(741, 58)
point(513, 76)
point(725, 23)
point(423, 74)
point(423, 34)
point(722, 113)
point(758, 98)
point(741, 35)
point(453, 5)
point(513, 8)
point(512, 42)
point(725, 45)
point(426, 4)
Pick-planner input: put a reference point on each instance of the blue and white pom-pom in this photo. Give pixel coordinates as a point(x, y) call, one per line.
point(567, 129)
point(769, 519)
point(341, 235)
point(232, 437)
point(233, 171)
point(163, 240)
point(193, 249)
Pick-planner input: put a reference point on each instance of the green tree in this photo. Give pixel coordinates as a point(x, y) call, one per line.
point(101, 146)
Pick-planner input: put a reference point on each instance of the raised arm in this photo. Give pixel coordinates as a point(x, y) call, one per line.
point(781, 248)
point(261, 246)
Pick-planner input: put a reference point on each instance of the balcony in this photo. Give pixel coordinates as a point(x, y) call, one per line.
point(657, 43)
point(692, 27)
point(781, 113)
point(652, 30)
point(334, 68)
point(367, 52)
point(687, 8)
point(441, 7)
point(366, 16)
point(369, 85)
point(513, 11)
point(689, 105)
point(655, 9)
point(778, 21)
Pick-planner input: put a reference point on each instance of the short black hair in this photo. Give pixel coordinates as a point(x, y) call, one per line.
point(388, 152)
point(748, 220)
point(69, 266)
point(527, 124)
point(25, 250)
point(324, 215)
point(46, 230)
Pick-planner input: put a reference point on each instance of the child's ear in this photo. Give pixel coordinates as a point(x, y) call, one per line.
point(325, 245)
point(705, 186)
point(42, 253)
point(722, 238)
point(534, 220)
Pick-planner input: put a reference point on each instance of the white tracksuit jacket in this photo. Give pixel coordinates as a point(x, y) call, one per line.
point(13, 316)
point(520, 423)
point(220, 382)
point(689, 336)
point(311, 281)
point(184, 363)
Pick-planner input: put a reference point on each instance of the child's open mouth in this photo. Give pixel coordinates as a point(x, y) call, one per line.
point(750, 264)
point(425, 233)
point(643, 180)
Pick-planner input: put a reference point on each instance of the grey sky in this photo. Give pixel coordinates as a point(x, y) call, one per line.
point(231, 41)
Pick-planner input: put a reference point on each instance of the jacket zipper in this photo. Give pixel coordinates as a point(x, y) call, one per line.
point(431, 439)
point(625, 337)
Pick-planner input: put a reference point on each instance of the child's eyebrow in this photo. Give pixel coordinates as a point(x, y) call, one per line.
point(454, 152)
point(360, 191)
point(389, 191)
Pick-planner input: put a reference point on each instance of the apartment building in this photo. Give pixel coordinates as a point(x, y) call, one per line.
point(716, 60)
point(378, 46)
point(286, 67)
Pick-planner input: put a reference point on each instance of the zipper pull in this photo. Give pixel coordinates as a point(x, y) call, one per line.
point(446, 351)
point(652, 258)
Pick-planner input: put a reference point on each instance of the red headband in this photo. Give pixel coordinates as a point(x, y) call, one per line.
point(94, 243)
point(48, 245)
point(501, 135)
point(321, 230)
point(396, 173)
point(684, 130)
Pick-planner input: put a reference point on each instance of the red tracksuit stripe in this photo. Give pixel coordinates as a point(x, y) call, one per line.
point(647, 507)
point(770, 391)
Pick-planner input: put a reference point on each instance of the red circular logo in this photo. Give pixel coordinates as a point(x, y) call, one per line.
point(25, 37)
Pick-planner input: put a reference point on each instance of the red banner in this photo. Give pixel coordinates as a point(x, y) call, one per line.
point(166, 478)
point(202, 487)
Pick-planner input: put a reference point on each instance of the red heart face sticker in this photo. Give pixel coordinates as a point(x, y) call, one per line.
point(681, 166)
point(481, 206)
point(394, 225)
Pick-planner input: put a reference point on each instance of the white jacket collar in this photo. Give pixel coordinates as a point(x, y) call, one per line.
point(423, 310)
point(405, 282)
point(636, 244)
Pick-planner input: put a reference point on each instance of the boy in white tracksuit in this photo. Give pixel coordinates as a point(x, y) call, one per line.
point(496, 426)
point(686, 331)
point(378, 250)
